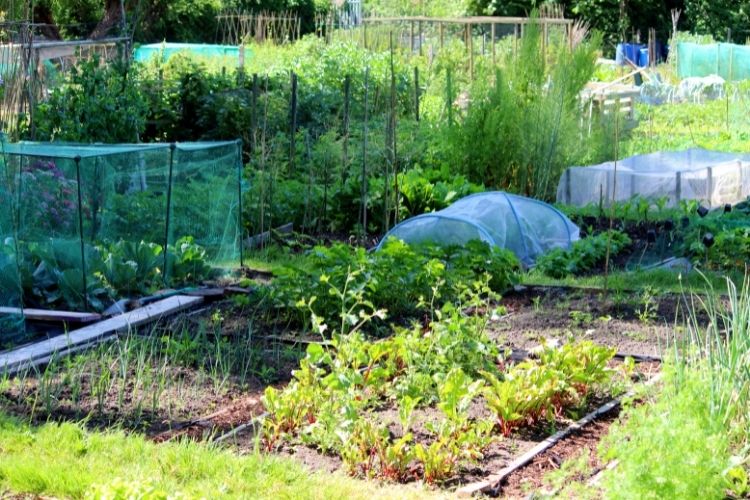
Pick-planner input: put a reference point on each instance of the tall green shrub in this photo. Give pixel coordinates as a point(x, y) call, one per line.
point(95, 104)
point(521, 132)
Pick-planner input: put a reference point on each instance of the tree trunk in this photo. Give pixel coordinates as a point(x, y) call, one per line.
point(43, 15)
point(110, 22)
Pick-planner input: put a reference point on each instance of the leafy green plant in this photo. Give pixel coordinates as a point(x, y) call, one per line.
point(399, 277)
point(98, 103)
point(583, 256)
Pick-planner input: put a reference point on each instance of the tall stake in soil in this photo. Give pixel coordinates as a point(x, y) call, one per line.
point(254, 113)
point(449, 95)
point(614, 195)
point(363, 217)
point(394, 155)
point(416, 93)
point(345, 145)
point(265, 177)
point(293, 123)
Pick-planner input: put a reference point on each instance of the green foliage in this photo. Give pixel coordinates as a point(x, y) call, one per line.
point(97, 103)
point(715, 17)
point(583, 256)
point(672, 447)
point(719, 125)
point(399, 277)
point(51, 272)
point(331, 402)
point(429, 8)
point(192, 21)
point(38, 459)
point(529, 119)
point(559, 379)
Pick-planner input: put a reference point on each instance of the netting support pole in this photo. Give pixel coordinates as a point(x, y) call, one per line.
point(172, 148)
point(77, 160)
point(709, 186)
point(678, 188)
point(239, 200)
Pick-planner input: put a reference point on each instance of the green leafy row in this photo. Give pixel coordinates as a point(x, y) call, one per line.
point(402, 278)
point(583, 256)
point(334, 401)
point(52, 273)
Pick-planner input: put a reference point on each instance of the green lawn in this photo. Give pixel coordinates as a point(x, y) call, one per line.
point(64, 460)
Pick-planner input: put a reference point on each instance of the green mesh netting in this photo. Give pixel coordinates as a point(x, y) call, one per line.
point(66, 202)
point(166, 50)
point(728, 60)
point(11, 292)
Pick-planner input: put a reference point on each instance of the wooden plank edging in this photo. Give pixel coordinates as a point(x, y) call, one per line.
point(41, 352)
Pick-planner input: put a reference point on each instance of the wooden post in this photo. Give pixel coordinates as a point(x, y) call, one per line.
point(421, 37)
point(739, 180)
point(293, 123)
point(471, 50)
point(494, 51)
point(411, 36)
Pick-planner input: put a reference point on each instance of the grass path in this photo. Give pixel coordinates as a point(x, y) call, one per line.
point(65, 460)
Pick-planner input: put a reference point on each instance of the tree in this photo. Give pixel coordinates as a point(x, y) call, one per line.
point(714, 17)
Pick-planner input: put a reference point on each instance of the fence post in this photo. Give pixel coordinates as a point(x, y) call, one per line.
point(709, 186)
point(678, 188)
point(494, 51)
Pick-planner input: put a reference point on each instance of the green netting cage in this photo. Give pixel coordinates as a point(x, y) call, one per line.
point(85, 225)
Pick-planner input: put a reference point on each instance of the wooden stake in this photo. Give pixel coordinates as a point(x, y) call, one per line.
point(293, 123)
point(345, 145)
point(364, 157)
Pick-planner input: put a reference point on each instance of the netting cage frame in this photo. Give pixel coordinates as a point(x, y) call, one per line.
point(711, 177)
point(190, 190)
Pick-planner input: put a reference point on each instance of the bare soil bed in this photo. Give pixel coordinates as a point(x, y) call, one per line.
point(625, 322)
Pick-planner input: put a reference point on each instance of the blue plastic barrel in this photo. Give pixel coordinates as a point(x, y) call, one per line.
point(620, 54)
point(643, 58)
point(625, 52)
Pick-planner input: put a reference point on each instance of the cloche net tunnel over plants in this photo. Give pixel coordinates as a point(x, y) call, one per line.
point(63, 204)
point(525, 226)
